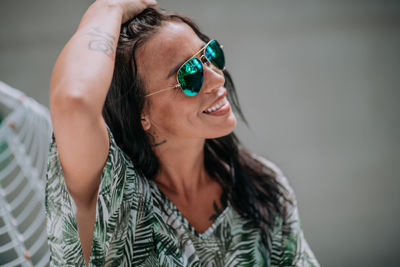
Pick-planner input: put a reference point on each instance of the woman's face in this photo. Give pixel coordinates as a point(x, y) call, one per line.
point(172, 114)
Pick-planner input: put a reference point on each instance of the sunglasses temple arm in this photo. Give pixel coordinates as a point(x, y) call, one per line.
point(162, 90)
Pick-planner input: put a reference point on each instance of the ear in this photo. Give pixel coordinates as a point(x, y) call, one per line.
point(146, 124)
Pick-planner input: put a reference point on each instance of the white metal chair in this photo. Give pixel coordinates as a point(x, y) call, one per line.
point(25, 132)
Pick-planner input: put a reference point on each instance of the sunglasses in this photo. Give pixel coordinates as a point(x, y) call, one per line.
point(190, 75)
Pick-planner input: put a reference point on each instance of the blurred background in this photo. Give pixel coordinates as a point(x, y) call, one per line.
point(319, 84)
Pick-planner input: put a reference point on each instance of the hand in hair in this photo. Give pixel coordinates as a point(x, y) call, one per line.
point(130, 8)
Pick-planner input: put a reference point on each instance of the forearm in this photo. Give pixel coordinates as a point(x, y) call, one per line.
point(84, 68)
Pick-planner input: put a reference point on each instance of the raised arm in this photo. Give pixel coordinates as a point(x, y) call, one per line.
point(79, 84)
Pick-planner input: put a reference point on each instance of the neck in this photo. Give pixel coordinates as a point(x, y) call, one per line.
point(182, 170)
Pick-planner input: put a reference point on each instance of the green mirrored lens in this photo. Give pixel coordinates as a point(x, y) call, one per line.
point(215, 54)
point(190, 77)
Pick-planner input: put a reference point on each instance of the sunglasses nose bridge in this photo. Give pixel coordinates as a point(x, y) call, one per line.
point(204, 60)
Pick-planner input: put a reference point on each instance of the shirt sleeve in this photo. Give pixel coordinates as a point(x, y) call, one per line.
point(120, 205)
point(289, 246)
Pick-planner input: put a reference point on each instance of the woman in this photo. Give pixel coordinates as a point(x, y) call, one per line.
point(144, 169)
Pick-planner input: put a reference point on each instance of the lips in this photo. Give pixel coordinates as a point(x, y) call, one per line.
point(218, 103)
point(217, 106)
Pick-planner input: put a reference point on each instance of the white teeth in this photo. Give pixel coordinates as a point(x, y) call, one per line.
point(217, 106)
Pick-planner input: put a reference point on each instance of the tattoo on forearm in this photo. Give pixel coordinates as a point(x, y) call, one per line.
point(102, 42)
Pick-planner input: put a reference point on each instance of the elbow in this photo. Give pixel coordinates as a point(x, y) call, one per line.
point(69, 102)
point(66, 101)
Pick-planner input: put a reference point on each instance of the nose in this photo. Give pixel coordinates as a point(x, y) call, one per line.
point(213, 78)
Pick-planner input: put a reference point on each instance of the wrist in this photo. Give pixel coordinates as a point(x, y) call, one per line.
point(108, 6)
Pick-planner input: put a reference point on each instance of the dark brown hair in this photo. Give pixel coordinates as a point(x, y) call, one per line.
point(250, 187)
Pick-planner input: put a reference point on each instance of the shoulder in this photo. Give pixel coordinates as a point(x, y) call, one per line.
point(123, 208)
point(117, 160)
point(287, 196)
point(276, 171)
point(288, 239)
point(267, 164)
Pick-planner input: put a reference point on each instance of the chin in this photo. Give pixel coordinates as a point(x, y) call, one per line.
point(225, 128)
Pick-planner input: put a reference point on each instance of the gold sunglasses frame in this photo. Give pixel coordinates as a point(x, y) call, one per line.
point(202, 59)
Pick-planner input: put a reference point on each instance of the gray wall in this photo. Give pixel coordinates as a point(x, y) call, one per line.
point(319, 84)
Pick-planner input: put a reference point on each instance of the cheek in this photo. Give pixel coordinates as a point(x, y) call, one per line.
point(175, 117)
point(166, 114)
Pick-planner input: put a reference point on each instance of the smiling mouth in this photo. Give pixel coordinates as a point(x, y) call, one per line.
point(216, 106)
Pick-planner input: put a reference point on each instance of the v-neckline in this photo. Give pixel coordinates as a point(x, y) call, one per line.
point(183, 219)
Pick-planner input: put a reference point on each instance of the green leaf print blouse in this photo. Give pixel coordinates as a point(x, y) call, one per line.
point(136, 225)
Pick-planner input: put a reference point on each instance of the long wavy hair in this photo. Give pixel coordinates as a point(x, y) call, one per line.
point(250, 187)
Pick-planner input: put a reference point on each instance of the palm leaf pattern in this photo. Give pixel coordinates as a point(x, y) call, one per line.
point(136, 225)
